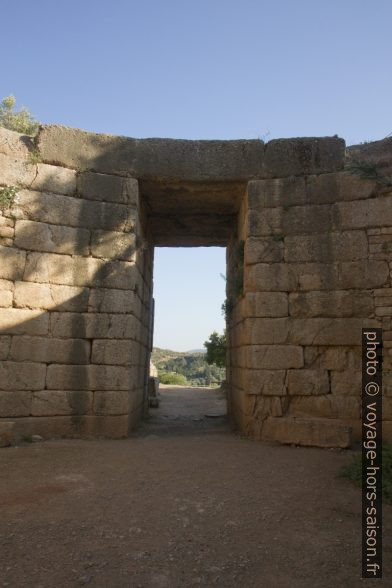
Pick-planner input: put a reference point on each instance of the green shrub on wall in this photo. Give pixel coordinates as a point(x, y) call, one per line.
point(20, 120)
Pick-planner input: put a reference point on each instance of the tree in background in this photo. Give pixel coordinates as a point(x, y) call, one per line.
point(216, 349)
point(172, 378)
point(20, 120)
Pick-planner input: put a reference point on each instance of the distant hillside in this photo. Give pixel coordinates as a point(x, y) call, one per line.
point(192, 365)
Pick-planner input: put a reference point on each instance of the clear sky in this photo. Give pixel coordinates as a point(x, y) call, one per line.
point(201, 69)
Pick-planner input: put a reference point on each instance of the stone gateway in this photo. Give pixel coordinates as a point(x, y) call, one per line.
point(308, 266)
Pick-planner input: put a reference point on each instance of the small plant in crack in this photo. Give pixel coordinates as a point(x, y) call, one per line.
point(7, 196)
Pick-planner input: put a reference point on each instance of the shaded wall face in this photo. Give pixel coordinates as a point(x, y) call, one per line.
point(317, 268)
point(75, 300)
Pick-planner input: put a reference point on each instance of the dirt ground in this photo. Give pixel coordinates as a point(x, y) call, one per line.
point(185, 502)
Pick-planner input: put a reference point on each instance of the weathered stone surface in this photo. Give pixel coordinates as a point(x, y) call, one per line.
point(50, 297)
point(5, 298)
point(111, 402)
point(348, 382)
point(191, 229)
point(15, 403)
point(79, 213)
point(327, 331)
point(304, 382)
point(263, 250)
point(6, 433)
point(50, 350)
point(112, 301)
point(12, 263)
point(14, 171)
point(331, 188)
point(265, 222)
point(50, 178)
point(94, 326)
point(376, 152)
point(5, 343)
point(267, 382)
point(22, 375)
point(313, 432)
point(114, 352)
point(95, 186)
point(308, 155)
point(278, 192)
point(266, 304)
point(78, 426)
point(15, 144)
point(59, 402)
point(374, 212)
point(81, 271)
point(338, 276)
point(328, 406)
point(341, 303)
point(52, 238)
point(260, 331)
point(346, 246)
point(89, 377)
point(15, 321)
point(269, 277)
point(275, 357)
point(112, 245)
point(333, 358)
point(307, 219)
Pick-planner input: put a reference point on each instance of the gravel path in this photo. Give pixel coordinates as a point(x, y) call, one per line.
point(185, 502)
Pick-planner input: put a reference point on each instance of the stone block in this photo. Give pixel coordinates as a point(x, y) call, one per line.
point(300, 156)
point(5, 298)
point(267, 221)
point(312, 432)
point(59, 402)
point(50, 297)
point(306, 382)
point(80, 213)
point(95, 186)
point(328, 406)
point(38, 236)
point(307, 219)
point(94, 326)
point(111, 402)
point(12, 263)
point(22, 376)
point(260, 331)
point(112, 245)
point(277, 192)
point(374, 212)
point(266, 382)
point(81, 271)
point(7, 233)
point(274, 357)
point(266, 304)
point(341, 303)
point(263, 250)
point(90, 377)
point(333, 187)
point(6, 427)
point(15, 403)
point(333, 358)
point(323, 331)
point(113, 301)
point(78, 426)
point(347, 383)
point(51, 178)
point(114, 352)
point(48, 350)
point(15, 321)
point(5, 343)
point(269, 277)
point(15, 144)
point(339, 276)
point(328, 247)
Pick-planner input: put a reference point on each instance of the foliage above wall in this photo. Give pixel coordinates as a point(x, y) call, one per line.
point(20, 121)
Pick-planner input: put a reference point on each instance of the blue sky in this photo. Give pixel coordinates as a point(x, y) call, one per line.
point(201, 69)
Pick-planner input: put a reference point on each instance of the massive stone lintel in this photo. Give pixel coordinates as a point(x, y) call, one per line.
point(194, 161)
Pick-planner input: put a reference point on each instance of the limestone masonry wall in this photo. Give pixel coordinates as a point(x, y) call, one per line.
point(309, 264)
